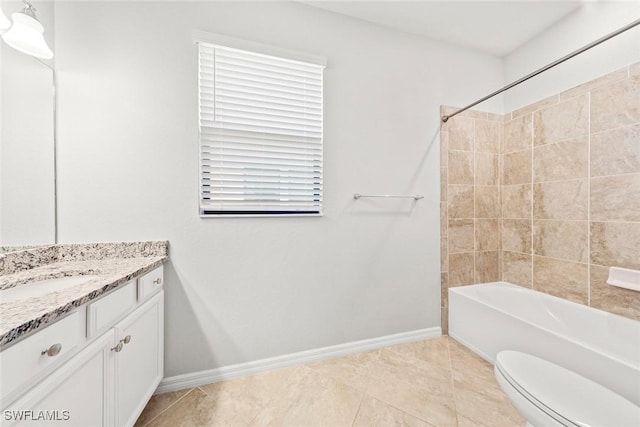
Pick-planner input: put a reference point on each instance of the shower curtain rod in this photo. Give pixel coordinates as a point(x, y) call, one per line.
point(545, 68)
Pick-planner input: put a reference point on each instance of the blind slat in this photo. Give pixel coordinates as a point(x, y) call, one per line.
point(260, 133)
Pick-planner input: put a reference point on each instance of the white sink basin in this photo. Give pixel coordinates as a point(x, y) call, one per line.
point(41, 287)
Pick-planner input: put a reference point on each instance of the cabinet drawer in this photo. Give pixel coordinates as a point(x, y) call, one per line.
point(28, 359)
point(106, 311)
point(150, 283)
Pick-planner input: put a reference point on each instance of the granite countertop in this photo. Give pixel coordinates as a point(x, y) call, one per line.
point(20, 318)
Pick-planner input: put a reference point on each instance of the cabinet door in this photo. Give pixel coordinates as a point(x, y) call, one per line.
point(139, 365)
point(76, 394)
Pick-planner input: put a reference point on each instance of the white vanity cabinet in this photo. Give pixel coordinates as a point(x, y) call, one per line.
point(109, 381)
point(76, 394)
point(138, 367)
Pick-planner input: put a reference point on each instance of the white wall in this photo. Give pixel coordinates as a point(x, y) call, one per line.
point(27, 139)
point(592, 21)
point(249, 288)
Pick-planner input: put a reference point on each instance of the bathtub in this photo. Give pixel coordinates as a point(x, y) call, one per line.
point(604, 347)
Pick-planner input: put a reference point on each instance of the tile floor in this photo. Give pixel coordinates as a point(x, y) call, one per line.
point(436, 382)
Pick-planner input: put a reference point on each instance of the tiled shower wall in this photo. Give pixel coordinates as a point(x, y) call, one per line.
point(470, 200)
point(569, 194)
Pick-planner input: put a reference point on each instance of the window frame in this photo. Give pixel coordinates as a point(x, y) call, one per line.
point(260, 49)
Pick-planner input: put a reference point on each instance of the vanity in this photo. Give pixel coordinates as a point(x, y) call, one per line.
point(81, 333)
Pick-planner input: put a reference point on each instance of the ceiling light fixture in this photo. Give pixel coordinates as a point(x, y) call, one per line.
point(25, 34)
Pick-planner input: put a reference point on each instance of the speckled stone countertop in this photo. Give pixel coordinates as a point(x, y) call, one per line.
point(114, 264)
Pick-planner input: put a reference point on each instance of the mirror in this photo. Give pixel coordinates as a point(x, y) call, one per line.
point(27, 140)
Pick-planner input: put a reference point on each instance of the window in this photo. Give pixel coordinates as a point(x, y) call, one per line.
point(260, 133)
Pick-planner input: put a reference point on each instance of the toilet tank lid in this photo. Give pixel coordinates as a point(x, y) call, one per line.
point(572, 396)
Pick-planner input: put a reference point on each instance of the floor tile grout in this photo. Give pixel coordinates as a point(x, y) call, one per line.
point(359, 378)
point(168, 407)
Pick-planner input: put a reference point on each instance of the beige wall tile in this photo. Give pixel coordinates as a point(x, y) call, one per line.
point(516, 167)
point(564, 279)
point(616, 105)
point(634, 69)
point(443, 184)
point(566, 240)
point(615, 198)
point(543, 103)
point(561, 161)
point(623, 302)
point(518, 134)
point(516, 201)
point(460, 201)
point(616, 244)
point(444, 302)
point(444, 216)
point(616, 151)
point(496, 117)
point(444, 254)
point(568, 119)
point(487, 267)
point(474, 114)
point(516, 235)
point(608, 78)
point(444, 285)
point(487, 169)
point(444, 149)
point(487, 234)
point(560, 200)
point(487, 201)
point(487, 136)
point(444, 321)
point(461, 235)
point(460, 133)
point(460, 167)
point(461, 269)
point(516, 268)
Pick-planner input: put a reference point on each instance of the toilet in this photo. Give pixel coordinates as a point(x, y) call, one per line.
point(550, 395)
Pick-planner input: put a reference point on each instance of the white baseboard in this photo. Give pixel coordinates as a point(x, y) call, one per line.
point(195, 379)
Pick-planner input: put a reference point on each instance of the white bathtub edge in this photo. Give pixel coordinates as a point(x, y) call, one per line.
point(473, 348)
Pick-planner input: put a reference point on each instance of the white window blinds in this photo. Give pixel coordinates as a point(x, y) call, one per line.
point(260, 133)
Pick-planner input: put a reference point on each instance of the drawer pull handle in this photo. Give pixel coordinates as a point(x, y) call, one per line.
point(53, 350)
point(118, 347)
point(157, 281)
point(126, 339)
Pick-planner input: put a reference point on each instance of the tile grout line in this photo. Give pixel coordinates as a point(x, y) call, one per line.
point(453, 386)
point(531, 206)
point(560, 141)
point(355, 417)
point(473, 164)
point(170, 406)
point(589, 197)
point(448, 263)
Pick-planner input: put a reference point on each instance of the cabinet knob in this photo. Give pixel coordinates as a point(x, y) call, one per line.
point(157, 281)
point(126, 339)
point(53, 350)
point(118, 347)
